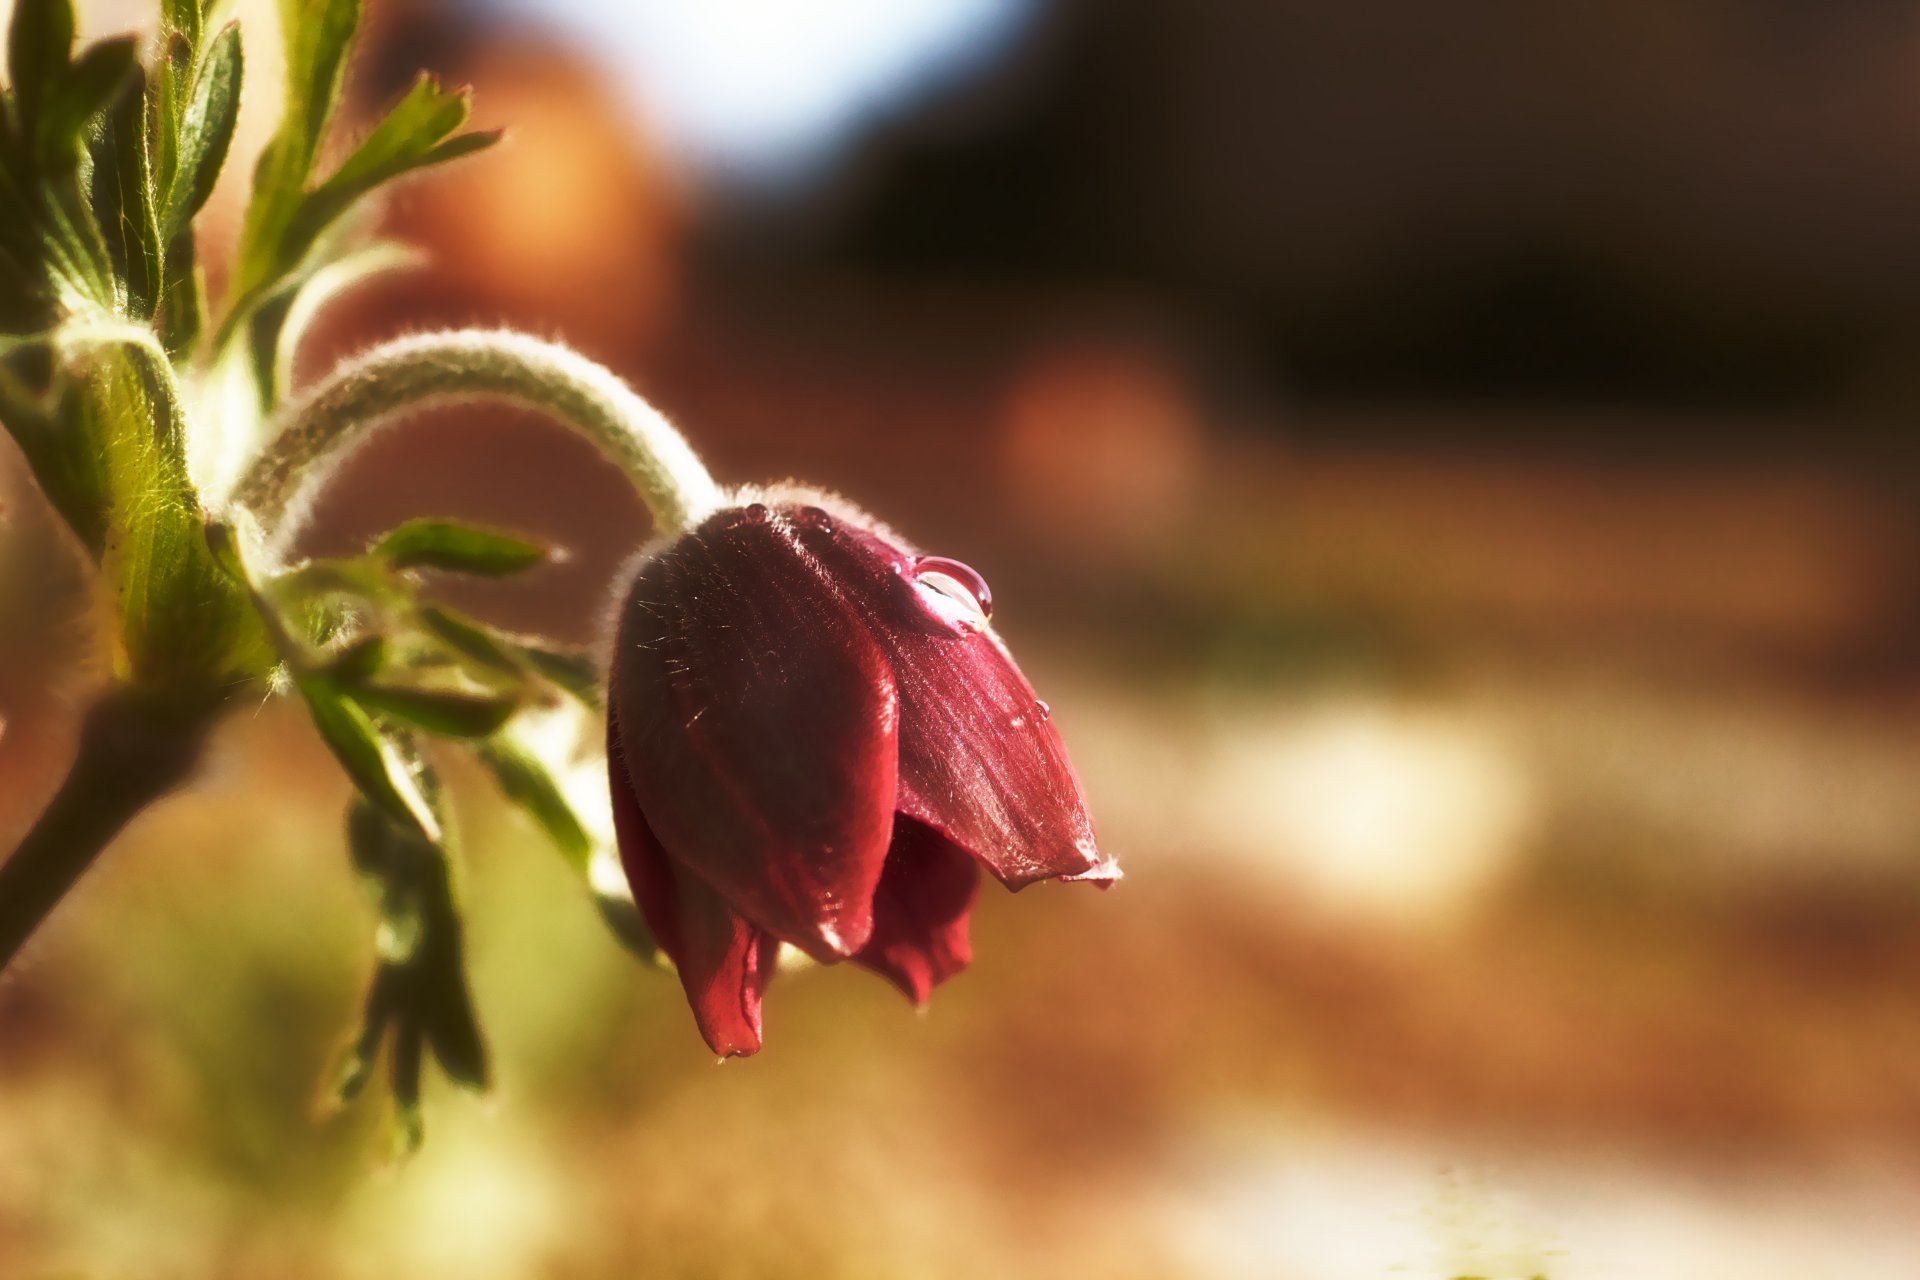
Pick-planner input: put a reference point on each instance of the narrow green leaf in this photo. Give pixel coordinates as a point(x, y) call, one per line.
point(356, 1067)
point(446, 1009)
point(573, 672)
point(409, 1124)
point(402, 138)
point(528, 784)
point(576, 674)
point(171, 83)
point(49, 428)
point(205, 131)
point(183, 297)
point(39, 45)
point(372, 760)
point(413, 135)
point(622, 917)
point(316, 35)
point(183, 16)
point(470, 639)
point(397, 863)
point(448, 713)
point(452, 547)
point(360, 660)
point(420, 988)
point(92, 84)
point(123, 200)
point(223, 544)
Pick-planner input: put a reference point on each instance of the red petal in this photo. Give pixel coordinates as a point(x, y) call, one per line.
point(920, 911)
point(979, 759)
point(759, 721)
point(724, 961)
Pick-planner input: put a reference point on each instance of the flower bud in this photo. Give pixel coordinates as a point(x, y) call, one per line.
point(816, 738)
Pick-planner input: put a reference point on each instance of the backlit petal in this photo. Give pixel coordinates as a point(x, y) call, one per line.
point(980, 760)
point(920, 911)
point(723, 960)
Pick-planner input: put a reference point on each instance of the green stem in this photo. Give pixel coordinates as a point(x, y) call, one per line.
point(413, 373)
point(131, 753)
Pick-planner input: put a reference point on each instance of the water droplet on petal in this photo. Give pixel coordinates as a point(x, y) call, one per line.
point(953, 590)
point(756, 511)
point(1041, 709)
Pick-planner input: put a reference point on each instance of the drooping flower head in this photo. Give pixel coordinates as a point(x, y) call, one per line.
point(815, 737)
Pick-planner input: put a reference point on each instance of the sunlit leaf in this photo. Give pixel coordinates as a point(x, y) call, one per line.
point(39, 45)
point(359, 661)
point(205, 131)
point(419, 996)
point(123, 199)
point(374, 762)
point(453, 547)
point(89, 86)
point(470, 639)
point(448, 712)
point(409, 1124)
point(290, 216)
point(183, 16)
point(416, 133)
point(525, 781)
point(316, 35)
point(575, 672)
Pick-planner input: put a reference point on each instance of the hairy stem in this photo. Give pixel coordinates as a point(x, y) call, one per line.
point(409, 374)
point(131, 753)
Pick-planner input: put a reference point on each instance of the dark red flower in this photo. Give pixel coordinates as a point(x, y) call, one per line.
point(814, 737)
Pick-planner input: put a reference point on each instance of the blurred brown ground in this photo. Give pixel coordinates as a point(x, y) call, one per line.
point(1542, 810)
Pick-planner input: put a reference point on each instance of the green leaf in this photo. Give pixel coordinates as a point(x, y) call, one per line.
point(183, 16)
point(89, 86)
point(622, 917)
point(452, 547)
point(413, 135)
point(50, 430)
point(183, 622)
point(205, 131)
point(39, 45)
point(447, 1015)
point(419, 991)
point(574, 672)
point(223, 544)
point(448, 712)
point(360, 660)
point(287, 223)
point(409, 1124)
point(374, 762)
point(471, 640)
point(183, 297)
point(356, 1068)
point(316, 35)
point(528, 784)
point(123, 200)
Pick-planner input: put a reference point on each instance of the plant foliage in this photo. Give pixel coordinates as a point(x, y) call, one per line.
point(135, 399)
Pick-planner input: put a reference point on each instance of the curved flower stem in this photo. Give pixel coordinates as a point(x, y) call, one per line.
point(408, 374)
point(131, 753)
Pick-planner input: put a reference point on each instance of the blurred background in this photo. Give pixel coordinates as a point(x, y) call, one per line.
point(1452, 470)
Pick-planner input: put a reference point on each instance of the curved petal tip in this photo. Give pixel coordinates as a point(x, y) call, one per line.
point(1104, 874)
